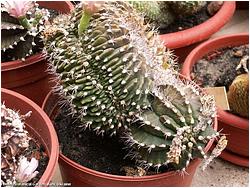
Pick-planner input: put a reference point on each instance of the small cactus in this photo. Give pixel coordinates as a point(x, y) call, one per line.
point(118, 78)
point(155, 11)
point(238, 95)
point(163, 13)
point(14, 141)
point(21, 26)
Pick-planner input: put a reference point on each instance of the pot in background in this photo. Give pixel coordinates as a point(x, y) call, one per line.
point(30, 78)
point(39, 126)
point(182, 42)
point(235, 127)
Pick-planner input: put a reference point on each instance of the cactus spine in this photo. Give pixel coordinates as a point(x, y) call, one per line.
point(118, 78)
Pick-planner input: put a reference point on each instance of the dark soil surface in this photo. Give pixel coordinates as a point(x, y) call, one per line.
point(187, 22)
point(101, 153)
point(218, 68)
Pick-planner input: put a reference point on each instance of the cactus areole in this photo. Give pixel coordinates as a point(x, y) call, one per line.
point(118, 78)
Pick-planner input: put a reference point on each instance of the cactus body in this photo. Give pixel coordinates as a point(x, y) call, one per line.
point(177, 127)
point(118, 77)
point(104, 72)
point(238, 95)
point(20, 35)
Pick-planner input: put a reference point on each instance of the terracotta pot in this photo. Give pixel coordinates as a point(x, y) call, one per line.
point(30, 77)
point(182, 42)
point(39, 126)
point(79, 175)
point(234, 126)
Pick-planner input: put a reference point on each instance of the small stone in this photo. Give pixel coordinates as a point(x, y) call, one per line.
point(238, 53)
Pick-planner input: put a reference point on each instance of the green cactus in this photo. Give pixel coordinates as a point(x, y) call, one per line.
point(176, 128)
point(104, 72)
point(118, 78)
point(238, 95)
point(21, 34)
point(155, 11)
point(163, 13)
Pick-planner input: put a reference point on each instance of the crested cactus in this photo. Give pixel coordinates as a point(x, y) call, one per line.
point(22, 23)
point(238, 95)
point(118, 78)
point(15, 168)
point(104, 71)
point(163, 13)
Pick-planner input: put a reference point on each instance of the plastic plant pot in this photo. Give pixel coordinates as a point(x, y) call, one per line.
point(79, 175)
point(182, 42)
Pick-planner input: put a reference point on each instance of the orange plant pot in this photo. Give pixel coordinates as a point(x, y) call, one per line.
point(79, 175)
point(182, 42)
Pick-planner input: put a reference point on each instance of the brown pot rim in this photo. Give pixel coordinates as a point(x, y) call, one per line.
point(53, 158)
point(11, 65)
point(127, 178)
point(231, 39)
point(202, 31)
point(232, 119)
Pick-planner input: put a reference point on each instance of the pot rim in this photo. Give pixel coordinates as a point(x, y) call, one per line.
point(126, 178)
point(232, 119)
point(12, 65)
point(202, 31)
point(53, 155)
point(223, 116)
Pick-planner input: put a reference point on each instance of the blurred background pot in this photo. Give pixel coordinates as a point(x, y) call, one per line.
point(182, 42)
